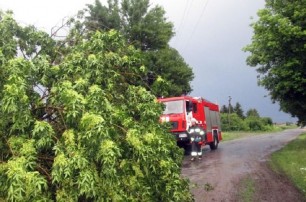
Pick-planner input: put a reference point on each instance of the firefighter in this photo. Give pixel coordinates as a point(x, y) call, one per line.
point(197, 138)
point(191, 121)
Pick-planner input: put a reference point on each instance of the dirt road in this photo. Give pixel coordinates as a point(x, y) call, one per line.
point(218, 176)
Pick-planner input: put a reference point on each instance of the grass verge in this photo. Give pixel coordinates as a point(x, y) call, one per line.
point(226, 136)
point(246, 190)
point(291, 161)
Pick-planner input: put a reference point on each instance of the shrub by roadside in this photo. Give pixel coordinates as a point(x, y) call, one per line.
point(233, 122)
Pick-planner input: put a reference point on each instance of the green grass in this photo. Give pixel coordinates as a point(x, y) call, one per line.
point(246, 190)
point(291, 161)
point(226, 136)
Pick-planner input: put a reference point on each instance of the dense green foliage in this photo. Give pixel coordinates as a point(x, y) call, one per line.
point(76, 123)
point(252, 113)
point(167, 64)
point(233, 119)
point(238, 110)
point(146, 28)
point(232, 122)
point(278, 51)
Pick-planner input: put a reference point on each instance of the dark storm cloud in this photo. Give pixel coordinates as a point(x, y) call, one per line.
point(210, 37)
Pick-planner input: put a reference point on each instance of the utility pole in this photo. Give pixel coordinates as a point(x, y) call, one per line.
point(229, 110)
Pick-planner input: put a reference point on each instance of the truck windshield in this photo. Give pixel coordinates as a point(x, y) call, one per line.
point(174, 107)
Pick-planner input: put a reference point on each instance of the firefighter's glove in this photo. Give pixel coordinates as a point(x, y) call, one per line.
point(197, 139)
point(192, 139)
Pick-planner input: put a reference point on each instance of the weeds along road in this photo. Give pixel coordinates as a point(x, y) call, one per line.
point(219, 176)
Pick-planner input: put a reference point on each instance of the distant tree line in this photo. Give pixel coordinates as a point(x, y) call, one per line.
point(234, 119)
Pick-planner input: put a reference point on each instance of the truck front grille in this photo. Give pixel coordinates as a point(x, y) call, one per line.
point(174, 124)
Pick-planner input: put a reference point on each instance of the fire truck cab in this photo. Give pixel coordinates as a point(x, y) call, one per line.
point(184, 112)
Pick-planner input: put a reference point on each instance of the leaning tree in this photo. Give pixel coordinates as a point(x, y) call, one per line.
point(76, 123)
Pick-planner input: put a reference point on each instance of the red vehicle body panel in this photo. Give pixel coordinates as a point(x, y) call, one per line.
point(205, 113)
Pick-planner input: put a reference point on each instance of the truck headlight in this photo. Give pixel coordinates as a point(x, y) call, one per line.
point(196, 129)
point(191, 130)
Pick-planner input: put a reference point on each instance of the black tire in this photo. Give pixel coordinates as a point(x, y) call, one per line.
point(214, 145)
point(186, 146)
point(187, 149)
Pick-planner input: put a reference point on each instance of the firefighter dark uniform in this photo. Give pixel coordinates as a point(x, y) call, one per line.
point(197, 137)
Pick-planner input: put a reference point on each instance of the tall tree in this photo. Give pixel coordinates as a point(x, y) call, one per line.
point(252, 113)
point(146, 28)
point(80, 129)
point(238, 110)
point(104, 17)
point(224, 109)
point(278, 52)
point(176, 73)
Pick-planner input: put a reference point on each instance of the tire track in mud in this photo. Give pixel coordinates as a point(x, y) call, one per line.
point(217, 176)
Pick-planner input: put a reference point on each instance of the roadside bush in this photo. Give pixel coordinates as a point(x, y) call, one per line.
point(255, 123)
point(232, 122)
point(267, 121)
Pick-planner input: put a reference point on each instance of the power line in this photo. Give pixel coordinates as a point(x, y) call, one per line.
point(197, 24)
point(186, 12)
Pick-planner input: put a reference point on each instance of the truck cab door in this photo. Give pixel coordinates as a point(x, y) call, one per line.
point(195, 112)
point(189, 106)
point(188, 113)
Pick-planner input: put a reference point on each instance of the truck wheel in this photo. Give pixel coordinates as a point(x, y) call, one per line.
point(187, 149)
point(214, 145)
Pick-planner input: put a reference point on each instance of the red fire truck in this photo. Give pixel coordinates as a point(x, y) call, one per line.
point(185, 112)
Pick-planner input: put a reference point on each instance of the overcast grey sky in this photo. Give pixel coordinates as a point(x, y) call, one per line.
point(209, 35)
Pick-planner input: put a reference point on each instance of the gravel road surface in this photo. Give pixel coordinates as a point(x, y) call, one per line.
point(218, 175)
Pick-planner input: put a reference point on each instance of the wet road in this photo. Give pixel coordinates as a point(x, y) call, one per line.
point(217, 175)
